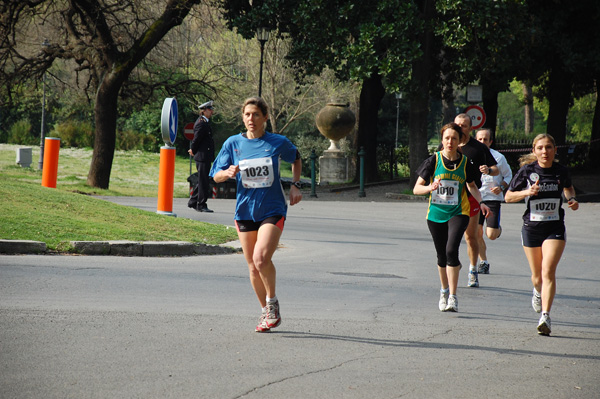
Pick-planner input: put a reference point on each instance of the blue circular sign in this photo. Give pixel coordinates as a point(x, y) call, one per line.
point(168, 121)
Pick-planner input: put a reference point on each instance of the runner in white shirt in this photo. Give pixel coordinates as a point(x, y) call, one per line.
point(492, 192)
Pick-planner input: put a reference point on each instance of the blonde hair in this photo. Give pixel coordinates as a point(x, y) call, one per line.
point(527, 159)
point(530, 158)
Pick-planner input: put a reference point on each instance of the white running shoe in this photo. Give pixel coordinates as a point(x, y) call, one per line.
point(443, 300)
point(543, 327)
point(536, 302)
point(452, 305)
point(473, 279)
point(262, 323)
point(273, 318)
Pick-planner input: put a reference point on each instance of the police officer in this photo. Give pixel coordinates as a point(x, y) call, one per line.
point(202, 149)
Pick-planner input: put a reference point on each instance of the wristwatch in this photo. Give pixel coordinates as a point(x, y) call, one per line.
point(572, 198)
point(297, 184)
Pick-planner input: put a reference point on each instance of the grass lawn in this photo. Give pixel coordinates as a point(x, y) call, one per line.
point(57, 216)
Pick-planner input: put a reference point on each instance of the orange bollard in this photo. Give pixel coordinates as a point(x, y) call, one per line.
point(166, 181)
point(50, 168)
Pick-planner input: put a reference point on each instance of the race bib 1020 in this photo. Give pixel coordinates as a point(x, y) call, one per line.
point(544, 210)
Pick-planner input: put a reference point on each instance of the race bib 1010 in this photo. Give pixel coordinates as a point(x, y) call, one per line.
point(446, 193)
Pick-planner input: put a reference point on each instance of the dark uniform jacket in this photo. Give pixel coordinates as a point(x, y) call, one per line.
point(203, 145)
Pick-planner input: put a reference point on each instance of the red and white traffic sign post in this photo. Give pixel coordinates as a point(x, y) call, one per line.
point(188, 131)
point(477, 115)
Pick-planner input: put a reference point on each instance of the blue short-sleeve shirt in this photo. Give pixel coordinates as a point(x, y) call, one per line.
point(257, 203)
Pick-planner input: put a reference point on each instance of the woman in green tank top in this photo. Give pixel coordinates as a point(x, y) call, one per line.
point(445, 176)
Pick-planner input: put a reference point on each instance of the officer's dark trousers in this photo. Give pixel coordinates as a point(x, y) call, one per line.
point(201, 191)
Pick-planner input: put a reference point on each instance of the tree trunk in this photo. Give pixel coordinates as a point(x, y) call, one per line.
point(595, 138)
point(417, 124)
point(448, 107)
point(492, 86)
point(490, 106)
point(115, 69)
point(371, 94)
point(419, 104)
point(448, 110)
point(528, 101)
point(105, 113)
point(559, 99)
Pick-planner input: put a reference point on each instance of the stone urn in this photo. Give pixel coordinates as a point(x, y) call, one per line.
point(335, 121)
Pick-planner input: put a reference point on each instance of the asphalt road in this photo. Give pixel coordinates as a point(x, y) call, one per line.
point(358, 289)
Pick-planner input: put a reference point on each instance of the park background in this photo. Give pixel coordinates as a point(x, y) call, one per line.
point(96, 77)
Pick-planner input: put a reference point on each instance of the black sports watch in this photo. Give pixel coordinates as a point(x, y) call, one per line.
point(297, 184)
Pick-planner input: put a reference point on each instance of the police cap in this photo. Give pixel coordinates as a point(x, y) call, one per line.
point(206, 105)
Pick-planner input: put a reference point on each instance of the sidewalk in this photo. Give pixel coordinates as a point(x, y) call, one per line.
point(380, 192)
point(588, 185)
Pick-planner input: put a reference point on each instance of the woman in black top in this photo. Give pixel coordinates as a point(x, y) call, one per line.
point(541, 183)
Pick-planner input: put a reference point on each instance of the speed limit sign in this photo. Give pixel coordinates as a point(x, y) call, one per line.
point(477, 115)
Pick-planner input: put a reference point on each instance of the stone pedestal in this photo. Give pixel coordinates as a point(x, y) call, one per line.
point(24, 157)
point(333, 167)
point(334, 121)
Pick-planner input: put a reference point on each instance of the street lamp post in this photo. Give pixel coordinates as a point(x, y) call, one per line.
point(262, 34)
point(398, 98)
point(43, 133)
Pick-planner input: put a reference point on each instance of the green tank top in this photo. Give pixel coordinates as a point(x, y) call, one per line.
point(450, 199)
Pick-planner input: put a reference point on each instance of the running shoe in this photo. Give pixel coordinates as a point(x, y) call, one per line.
point(473, 279)
point(443, 300)
point(484, 267)
point(452, 305)
point(536, 302)
point(273, 318)
point(543, 327)
point(262, 323)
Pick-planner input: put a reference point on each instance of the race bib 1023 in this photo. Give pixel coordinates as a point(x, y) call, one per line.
point(257, 173)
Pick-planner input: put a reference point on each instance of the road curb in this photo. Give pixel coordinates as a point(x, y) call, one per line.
point(122, 248)
point(407, 197)
point(22, 247)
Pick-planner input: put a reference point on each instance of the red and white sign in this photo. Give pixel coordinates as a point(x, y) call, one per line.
point(188, 131)
point(477, 115)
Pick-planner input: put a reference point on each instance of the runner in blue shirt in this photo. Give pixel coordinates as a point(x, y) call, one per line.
point(253, 158)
